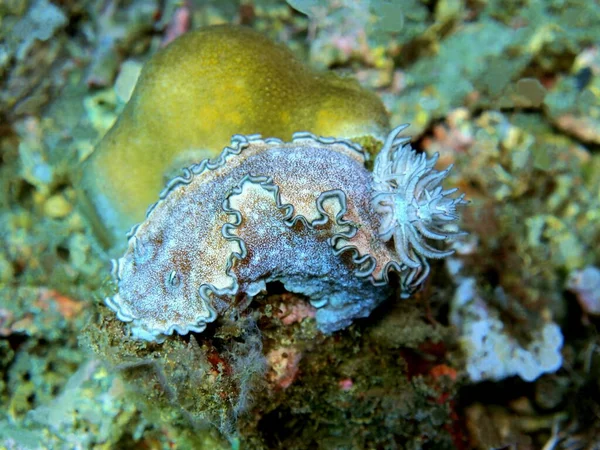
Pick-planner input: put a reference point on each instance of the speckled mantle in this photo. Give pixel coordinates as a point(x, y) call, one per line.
point(302, 213)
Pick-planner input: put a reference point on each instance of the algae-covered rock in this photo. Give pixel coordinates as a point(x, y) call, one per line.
point(193, 96)
point(573, 104)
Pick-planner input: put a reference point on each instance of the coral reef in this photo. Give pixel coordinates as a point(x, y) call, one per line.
point(509, 159)
point(33, 36)
point(450, 72)
point(241, 380)
point(190, 100)
point(368, 391)
point(305, 213)
point(534, 222)
point(505, 91)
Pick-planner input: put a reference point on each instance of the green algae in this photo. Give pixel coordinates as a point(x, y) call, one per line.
point(514, 41)
point(364, 393)
point(529, 183)
point(573, 102)
point(221, 377)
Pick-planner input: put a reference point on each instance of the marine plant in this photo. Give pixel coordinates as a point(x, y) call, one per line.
point(305, 213)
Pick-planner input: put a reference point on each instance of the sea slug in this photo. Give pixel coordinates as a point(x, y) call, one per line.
point(306, 213)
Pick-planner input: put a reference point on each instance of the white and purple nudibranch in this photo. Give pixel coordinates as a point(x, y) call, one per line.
point(305, 213)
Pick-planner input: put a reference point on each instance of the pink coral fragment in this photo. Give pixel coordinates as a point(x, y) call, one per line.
point(290, 313)
point(283, 366)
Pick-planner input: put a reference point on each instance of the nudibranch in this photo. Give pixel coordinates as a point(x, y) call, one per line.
point(305, 213)
point(192, 96)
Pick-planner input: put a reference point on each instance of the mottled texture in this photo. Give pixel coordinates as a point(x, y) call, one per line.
point(299, 213)
point(192, 96)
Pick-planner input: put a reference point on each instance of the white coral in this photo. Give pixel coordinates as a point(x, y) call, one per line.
point(413, 205)
point(491, 351)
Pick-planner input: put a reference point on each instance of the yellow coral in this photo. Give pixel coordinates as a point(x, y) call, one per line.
point(194, 95)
